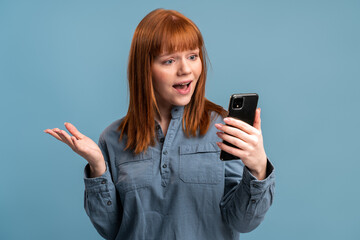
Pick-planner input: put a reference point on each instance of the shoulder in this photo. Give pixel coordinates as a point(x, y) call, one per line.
point(215, 111)
point(210, 135)
point(216, 117)
point(111, 131)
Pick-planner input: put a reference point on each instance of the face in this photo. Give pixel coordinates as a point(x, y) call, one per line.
point(175, 76)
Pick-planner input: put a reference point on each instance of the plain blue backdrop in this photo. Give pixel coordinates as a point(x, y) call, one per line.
point(66, 61)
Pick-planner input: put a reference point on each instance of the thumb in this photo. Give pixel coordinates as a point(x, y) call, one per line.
point(72, 129)
point(257, 120)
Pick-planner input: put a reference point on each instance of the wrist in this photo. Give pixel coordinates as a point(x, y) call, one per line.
point(260, 173)
point(97, 170)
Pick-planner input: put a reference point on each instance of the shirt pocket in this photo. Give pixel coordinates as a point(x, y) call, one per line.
point(200, 163)
point(134, 171)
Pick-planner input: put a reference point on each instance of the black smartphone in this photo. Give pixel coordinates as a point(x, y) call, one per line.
point(241, 106)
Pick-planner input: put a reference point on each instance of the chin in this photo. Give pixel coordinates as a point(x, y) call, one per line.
point(183, 102)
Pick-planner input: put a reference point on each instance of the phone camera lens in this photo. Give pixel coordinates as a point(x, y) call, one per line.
point(238, 103)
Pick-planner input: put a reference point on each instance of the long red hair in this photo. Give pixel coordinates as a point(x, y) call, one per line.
point(162, 31)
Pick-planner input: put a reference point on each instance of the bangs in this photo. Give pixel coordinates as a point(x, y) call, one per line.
point(175, 34)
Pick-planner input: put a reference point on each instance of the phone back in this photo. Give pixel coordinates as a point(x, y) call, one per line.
point(243, 107)
point(247, 112)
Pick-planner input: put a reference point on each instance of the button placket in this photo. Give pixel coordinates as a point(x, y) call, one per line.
point(164, 164)
point(166, 146)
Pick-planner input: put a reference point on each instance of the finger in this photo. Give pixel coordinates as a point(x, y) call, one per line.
point(233, 140)
point(65, 139)
point(52, 133)
point(234, 151)
point(257, 121)
point(233, 131)
point(240, 125)
point(74, 141)
point(72, 129)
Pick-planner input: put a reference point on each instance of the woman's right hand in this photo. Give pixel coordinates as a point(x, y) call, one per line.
point(83, 146)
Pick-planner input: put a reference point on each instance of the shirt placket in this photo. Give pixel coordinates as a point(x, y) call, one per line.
point(166, 143)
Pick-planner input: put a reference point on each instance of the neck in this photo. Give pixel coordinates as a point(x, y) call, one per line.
point(164, 115)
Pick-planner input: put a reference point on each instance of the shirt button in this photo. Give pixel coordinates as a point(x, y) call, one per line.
point(103, 181)
point(255, 186)
point(253, 201)
point(165, 152)
point(162, 140)
point(157, 127)
point(164, 166)
point(109, 203)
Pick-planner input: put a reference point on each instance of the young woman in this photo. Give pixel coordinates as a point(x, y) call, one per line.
point(156, 173)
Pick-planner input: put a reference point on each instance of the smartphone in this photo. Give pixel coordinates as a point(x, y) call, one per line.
point(241, 106)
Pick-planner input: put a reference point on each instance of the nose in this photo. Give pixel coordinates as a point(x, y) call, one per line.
point(184, 68)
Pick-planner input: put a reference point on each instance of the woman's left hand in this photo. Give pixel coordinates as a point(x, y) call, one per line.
point(249, 141)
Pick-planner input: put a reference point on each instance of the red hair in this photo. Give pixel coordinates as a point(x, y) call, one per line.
point(158, 32)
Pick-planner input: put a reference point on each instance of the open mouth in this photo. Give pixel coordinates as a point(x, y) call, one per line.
point(182, 86)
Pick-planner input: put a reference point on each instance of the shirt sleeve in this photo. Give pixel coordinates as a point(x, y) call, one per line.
point(246, 199)
point(101, 202)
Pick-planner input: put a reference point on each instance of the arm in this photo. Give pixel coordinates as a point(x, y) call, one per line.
point(100, 199)
point(246, 199)
point(249, 183)
point(101, 202)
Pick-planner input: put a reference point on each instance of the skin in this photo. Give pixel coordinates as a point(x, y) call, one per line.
point(83, 146)
point(248, 139)
point(167, 70)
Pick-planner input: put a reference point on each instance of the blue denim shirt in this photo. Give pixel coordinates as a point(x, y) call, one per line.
point(178, 189)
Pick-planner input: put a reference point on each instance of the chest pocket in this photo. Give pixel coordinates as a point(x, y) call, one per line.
point(134, 171)
point(200, 163)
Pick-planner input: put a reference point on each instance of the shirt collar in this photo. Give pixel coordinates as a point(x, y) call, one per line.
point(177, 111)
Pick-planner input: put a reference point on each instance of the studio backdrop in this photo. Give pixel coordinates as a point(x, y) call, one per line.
point(65, 61)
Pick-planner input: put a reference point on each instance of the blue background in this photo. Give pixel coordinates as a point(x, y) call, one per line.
point(66, 61)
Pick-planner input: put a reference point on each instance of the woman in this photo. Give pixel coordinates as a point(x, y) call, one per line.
point(156, 173)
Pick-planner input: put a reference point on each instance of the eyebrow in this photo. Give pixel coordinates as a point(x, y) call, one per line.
point(169, 54)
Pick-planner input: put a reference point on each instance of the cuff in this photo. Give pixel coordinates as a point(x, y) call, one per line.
point(255, 185)
point(97, 184)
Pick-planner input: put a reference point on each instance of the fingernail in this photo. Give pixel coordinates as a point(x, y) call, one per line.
point(65, 123)
point(217, 125)
point(226, 120)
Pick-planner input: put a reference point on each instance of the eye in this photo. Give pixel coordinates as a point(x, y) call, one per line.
point(193, 57)
point(168, 62)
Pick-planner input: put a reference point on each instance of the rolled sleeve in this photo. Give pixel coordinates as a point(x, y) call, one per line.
point(97, 184)
point(101, 202)
point(244, 206)
point(256, 186)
